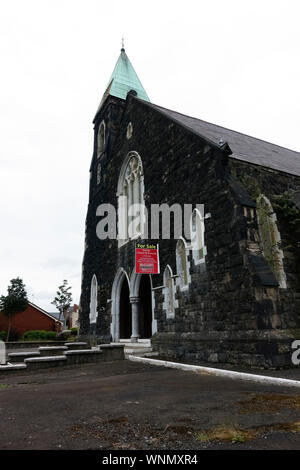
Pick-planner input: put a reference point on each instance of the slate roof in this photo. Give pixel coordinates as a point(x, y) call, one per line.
point(54, 314)
point(244, 147)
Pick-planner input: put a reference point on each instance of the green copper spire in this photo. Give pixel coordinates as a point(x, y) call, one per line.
point(124, 79)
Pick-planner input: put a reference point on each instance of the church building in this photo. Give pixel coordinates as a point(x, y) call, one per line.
point(230, 293)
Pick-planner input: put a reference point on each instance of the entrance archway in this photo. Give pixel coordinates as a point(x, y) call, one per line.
point(125, 311)
point(121, 278)
point(141, 289)
point(132, 311)
point(145, 307)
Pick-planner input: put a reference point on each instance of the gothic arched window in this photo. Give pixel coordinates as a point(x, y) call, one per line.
point(182, 264)
point(93, 301)
point(169, 304)
point(131, 198)
point(98, 173)
point(129, 131)
point(270, 238)
point(101, 139)
point(197, 237)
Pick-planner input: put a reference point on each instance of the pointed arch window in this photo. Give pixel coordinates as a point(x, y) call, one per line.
point(182, 264)
point(170, 303)
point(131, 206)
point(197, 237)
point(101, 139)
point(99, 173)
point(93, 300)
point(270, 238)
point(129, 131)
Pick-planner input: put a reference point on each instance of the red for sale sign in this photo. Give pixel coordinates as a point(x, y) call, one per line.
point(146, 258)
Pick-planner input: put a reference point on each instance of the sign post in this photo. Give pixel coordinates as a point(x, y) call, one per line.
point(147, 258)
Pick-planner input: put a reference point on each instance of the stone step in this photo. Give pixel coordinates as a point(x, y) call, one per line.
point(141, 348)
point(83, 356)
point(77, 345)
point(149, 355)
point(21, 356)
point(102, 353)
point(144, 342)
point(136, 345)
point(112, 352)
point(137, 351)
point(75, 352)
point(12, 367)
point(34, 363)
point(52, 350)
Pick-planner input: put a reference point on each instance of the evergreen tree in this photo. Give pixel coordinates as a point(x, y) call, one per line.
point(14, 302)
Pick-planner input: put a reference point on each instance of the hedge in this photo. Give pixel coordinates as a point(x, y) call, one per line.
point(33, 335)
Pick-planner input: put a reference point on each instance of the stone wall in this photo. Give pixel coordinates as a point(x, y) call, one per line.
point(31, 344)
point(233, 310)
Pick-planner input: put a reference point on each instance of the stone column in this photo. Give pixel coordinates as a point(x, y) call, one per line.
point(117, 327)
point(135, 319)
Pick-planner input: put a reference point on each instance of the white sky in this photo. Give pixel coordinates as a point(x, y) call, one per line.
point(231, 62)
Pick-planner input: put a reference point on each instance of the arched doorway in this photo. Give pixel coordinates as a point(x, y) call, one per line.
point(125, 311)
point(132, 301)
point(145, 307)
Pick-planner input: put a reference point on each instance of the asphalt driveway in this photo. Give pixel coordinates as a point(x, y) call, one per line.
point(126, 405)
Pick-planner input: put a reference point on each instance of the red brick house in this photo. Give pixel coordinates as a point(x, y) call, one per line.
point(33, 318)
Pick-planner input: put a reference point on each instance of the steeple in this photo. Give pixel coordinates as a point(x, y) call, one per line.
point(124, 79)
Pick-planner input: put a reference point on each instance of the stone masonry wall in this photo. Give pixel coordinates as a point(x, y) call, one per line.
point(233, 310)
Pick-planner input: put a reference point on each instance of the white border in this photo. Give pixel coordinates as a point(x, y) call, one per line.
point(219, 372)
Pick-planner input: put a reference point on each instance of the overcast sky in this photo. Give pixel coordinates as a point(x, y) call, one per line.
point(231, 62)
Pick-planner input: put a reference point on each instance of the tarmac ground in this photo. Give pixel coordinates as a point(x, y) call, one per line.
point(124, 405)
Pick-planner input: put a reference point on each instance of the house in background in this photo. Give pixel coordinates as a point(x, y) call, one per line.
point(70, 319)
point(33, 318)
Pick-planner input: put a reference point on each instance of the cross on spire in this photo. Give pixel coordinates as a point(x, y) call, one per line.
point(123, 49)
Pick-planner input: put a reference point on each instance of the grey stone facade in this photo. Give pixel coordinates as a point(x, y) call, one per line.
point(234, 310)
